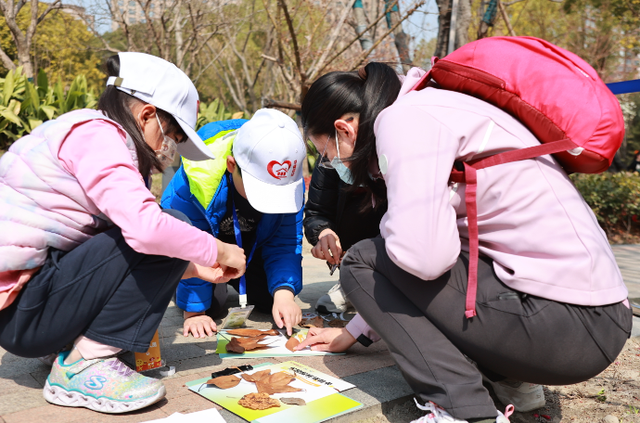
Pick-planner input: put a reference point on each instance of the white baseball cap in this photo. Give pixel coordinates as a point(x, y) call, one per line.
point(158, 82)
point(269, 151)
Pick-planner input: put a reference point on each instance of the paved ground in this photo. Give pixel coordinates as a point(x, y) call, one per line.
point(379, 384)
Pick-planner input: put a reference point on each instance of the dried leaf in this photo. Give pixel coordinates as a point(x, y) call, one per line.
point(293, 401)
point(255, 377)
point(280, 378)
point(276, 383)
point(234, 346)
point(314, 322)
point(253, 332)
point(292, 343)
point(240, 345)
point(224, 382)
point(258, 401)
point(337, 323)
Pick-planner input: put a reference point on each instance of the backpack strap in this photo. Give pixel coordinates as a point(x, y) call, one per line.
point(468, 176)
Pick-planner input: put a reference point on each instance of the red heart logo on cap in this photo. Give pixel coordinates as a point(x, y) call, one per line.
point(278, 170)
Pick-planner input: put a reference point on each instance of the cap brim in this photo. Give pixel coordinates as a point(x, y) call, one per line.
point(194, 148)
point(273, 199)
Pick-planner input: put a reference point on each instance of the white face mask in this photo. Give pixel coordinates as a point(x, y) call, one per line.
point(343, 171)
point(168, 149)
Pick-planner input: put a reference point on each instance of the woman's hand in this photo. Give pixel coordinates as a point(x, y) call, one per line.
point(199, 324)
point(328, 247)
point(327, 339)
point(285, 310)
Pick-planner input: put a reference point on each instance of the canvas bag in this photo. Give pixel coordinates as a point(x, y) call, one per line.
point(558, 96)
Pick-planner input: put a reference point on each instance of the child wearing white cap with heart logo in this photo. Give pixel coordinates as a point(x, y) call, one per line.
point(251, 195)
point(87, 257)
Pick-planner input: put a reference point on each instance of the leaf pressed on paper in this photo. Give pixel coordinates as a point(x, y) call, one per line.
point(316, 322)
point(293, 401)
point(240, 345)
point(258, 401)
point(292, 343)
point(255, 377)
point(253, 332)
point(224, 382)
point(276, 383)
point(234, 346)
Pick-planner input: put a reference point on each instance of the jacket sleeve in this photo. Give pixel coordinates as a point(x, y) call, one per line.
point(193, 294)
point(282, 255)
point(178, 196)
point(321, 208)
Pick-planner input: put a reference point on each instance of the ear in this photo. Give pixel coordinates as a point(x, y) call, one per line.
point(145, 113)
point(347, 127)
point(231, 164)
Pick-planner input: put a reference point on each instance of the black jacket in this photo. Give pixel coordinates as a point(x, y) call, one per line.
point(331, 205)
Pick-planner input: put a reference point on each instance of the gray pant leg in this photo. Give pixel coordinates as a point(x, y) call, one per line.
point(514, 335)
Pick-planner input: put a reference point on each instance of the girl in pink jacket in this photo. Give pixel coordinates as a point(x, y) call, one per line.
point(551, 304)
point(87, 257)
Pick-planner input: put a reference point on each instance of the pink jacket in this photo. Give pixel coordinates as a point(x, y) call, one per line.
point(70, 180)
point(533, 223)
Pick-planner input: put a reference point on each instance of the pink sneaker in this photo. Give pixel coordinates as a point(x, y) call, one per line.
point(106, 385)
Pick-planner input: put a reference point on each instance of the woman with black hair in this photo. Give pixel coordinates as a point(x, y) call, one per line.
point(87, 257)
point(550, 306)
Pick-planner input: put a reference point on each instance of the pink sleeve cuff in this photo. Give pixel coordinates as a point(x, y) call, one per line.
point(357, 326)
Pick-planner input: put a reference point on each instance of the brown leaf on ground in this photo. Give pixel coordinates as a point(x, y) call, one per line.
point(293, 401)
point(292, 343)
point(258, 401)
point(314, 322)
point(224, 382)
point(252, 333)
point(257, 376)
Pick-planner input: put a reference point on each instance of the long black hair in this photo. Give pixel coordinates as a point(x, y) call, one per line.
point(117, 104)
point(366, 92)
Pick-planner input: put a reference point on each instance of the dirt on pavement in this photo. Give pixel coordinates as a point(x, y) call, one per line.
point(614, 394)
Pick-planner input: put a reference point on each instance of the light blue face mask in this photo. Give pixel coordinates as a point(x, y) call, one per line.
point(343, 171)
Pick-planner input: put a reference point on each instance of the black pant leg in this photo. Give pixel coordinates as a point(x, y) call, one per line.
point(102, 289)
point(518, 336)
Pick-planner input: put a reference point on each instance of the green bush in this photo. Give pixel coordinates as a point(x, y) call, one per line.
point(25, 105)
point(615, 200)
point(214, 112)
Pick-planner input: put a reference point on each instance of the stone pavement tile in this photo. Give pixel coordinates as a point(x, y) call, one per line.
point(13, 384)
point(188, 403)
point(51, 414)
point(20, 400)
point(11, 365)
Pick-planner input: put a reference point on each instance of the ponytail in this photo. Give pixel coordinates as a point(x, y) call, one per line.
point(366, 92)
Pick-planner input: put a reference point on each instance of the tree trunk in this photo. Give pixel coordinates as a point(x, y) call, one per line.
point(361, 25)
point(463, 20)
point(401, 39)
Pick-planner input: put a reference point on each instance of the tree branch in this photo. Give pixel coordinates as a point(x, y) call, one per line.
point(364, 55)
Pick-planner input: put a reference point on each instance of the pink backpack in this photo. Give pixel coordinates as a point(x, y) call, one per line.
point(553, 92)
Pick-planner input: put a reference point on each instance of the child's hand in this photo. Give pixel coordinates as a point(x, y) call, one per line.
point(213, 274)
point(199, 324)
point(285, 310)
